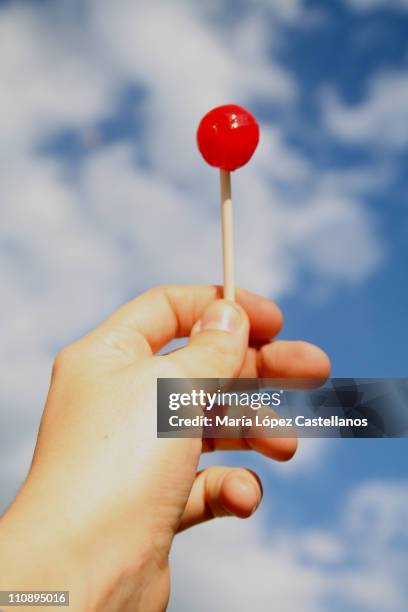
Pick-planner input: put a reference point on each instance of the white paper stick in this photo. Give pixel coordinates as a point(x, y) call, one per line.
point(227, 235)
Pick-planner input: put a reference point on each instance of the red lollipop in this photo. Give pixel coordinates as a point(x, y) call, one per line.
point(227, 138)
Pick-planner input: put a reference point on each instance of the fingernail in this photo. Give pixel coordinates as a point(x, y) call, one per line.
point(248, 489)
point(314, 353)
point(244, 485)
point(219, 315)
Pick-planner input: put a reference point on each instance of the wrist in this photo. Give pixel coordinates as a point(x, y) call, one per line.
point(36, 557)
point(43, 549)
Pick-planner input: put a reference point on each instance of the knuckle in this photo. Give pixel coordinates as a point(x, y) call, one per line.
point(224, 358)
point(65, 358)
point(158, 290)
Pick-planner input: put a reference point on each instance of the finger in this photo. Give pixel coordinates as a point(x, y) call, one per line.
point(222, 491)
point(217, 345)
point(295, 363)
point(287, 359)
point(265, 317)
point(161, 314)
point(293, 359)
point(278, 447)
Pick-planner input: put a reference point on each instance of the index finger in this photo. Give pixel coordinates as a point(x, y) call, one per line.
point(161, 314)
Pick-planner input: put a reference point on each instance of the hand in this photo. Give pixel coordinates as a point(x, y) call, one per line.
point(104, 496)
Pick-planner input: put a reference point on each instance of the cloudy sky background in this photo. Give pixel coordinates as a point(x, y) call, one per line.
point(103, 194)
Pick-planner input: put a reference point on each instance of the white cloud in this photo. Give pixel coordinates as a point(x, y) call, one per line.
point(380, 505)
point(381, 119)
point(374, 522)
point(291, 11)
point(13, 466)
point(332, 234)
point(188, 68)
point(231, 566)
point(285, 9)
point(256, 565)
point(321, 546)
point(47, 83)
point(308, 457)
point(277, 160)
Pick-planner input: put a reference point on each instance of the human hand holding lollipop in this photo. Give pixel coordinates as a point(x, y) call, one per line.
point(227, 138)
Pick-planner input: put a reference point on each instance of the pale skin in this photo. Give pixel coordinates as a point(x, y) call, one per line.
point(104, 496)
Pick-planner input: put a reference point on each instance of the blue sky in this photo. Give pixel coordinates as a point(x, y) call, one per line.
point(103, 194)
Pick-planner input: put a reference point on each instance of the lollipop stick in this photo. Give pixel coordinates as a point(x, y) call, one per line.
point(227, 235)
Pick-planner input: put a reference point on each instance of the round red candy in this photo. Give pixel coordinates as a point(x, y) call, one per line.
point(227, 137)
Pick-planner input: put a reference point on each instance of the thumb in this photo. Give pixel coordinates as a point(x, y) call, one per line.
point(218, 343)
